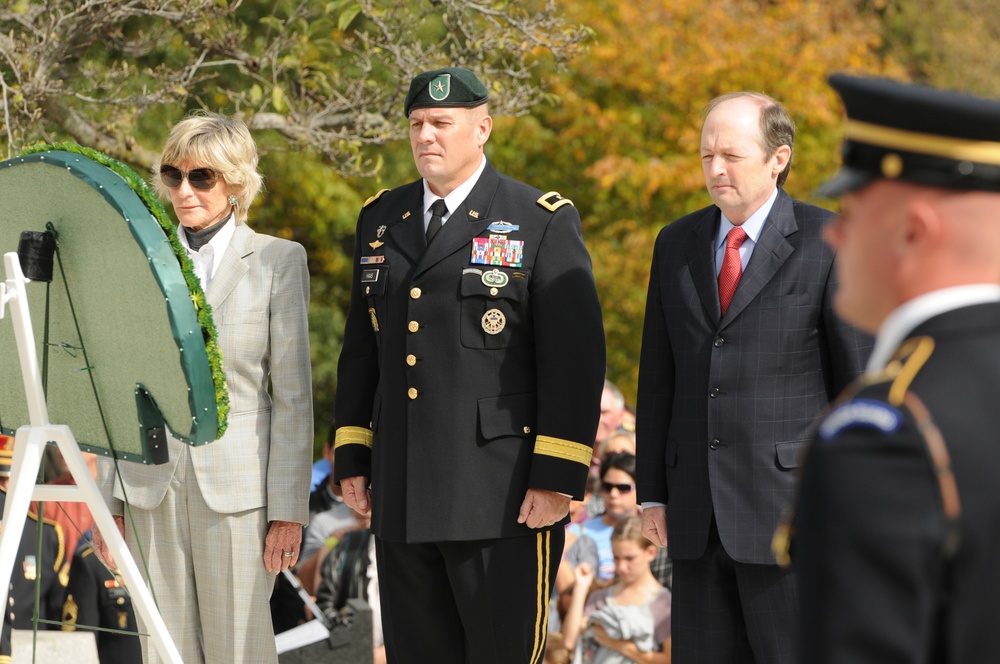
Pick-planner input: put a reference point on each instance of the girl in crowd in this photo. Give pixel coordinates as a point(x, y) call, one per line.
point(628, 621)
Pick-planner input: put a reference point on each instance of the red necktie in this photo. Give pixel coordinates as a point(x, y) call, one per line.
point(732, 268)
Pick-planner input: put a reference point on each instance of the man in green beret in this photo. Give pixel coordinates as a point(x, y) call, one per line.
point(895, 534)
point(470, 387)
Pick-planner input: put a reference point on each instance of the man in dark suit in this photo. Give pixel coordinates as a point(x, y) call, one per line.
point(740, 350)
point(897, 548)
point(469, 388)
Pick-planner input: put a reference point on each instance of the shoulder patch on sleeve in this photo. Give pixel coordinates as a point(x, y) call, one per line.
point(553, 200)
point(868, 413)
point(374, 198)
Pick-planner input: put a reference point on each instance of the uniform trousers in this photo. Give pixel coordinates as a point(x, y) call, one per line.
point(471, 602)
point(206, 572)
point(728, 612)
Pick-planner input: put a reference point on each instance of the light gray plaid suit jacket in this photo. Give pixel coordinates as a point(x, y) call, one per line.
point(260, 297)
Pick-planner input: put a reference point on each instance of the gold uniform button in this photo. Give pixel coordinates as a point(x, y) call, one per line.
point(412, 393)
point(413, 326)
point(411, 360)
point(527, 429)
point(368, 290)
point(494, 291)
point(415, 293)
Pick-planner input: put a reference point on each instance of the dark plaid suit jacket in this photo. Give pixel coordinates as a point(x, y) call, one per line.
point(725, 403)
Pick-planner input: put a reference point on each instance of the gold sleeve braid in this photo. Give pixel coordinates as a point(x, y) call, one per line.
point(564, 449)
point(353, 436)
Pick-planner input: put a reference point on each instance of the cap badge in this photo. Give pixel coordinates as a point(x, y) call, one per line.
point(440, 87)
point(892, 165)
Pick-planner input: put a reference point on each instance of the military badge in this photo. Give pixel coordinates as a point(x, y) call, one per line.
point(494, 321)
point(31, 568)
point(371, 312)
point(867, 413)
point(502, 227)
point(440, 87)
point(380, 232)
point(495, 278)
point(497, 250)
point(376, 244)
point(368, 260)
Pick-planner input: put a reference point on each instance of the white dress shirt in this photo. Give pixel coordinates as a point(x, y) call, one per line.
point(452, 200)
point(204, 259)
point(905, 318)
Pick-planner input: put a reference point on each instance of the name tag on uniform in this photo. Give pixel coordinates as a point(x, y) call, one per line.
point(369, 276)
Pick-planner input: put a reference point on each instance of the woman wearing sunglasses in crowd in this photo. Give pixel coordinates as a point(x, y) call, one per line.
point(218, 521)
point(628, 621)
point(592, 538)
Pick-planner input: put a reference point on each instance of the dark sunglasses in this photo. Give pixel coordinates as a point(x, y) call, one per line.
point(622, 488)
point(199, 178)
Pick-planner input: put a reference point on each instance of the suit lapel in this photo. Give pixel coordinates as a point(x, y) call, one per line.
point(465, 223)
point(408, 232)
point(701, 262)
point(770, 253)
point(231, 267)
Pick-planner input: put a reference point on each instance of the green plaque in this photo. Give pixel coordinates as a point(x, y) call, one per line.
point(124, 336)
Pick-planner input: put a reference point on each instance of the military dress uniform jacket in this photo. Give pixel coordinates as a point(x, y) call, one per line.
point(462, 384)
point(96, 598)
point(886, 575)
point(725, 402)
point(49, 570)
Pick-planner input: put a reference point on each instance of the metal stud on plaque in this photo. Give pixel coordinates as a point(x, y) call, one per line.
point(494, 321)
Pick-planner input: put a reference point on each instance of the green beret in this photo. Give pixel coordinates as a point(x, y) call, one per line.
point(445, 88)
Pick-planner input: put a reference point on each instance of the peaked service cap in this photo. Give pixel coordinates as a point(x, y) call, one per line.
point(918, 134)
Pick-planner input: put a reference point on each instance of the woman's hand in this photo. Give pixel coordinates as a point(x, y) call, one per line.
point(281, 546)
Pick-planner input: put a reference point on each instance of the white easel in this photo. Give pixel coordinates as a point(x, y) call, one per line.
point(29, 446)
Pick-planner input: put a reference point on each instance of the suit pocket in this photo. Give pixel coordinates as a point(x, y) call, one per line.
point(788, 454)
point(785, 301)
point(494, 307)
point(508, 415)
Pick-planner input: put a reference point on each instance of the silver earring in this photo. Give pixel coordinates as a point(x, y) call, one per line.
point(232, 200)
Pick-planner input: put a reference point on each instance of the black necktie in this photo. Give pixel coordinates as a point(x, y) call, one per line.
point(438, 210)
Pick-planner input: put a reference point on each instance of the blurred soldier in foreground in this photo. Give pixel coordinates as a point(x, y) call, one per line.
point(895, 533)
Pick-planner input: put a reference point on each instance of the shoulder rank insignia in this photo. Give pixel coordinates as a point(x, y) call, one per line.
point(552, 201)
point(868, 413)
point(374, 198)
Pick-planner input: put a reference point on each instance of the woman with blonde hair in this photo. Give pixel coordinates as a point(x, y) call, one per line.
point(630, 620)
point(216, 522)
